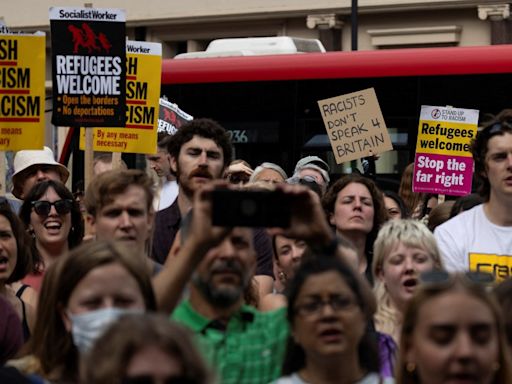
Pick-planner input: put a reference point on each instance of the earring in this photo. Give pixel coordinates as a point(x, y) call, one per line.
point(282, 277)
point(410, 367)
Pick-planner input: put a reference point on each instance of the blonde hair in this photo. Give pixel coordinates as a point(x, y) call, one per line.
point(411, 233)
point(456, 283)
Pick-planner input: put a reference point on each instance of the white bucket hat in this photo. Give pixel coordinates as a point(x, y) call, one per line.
point(25, 159)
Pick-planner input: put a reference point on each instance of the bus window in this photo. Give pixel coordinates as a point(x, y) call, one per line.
point(269, 103)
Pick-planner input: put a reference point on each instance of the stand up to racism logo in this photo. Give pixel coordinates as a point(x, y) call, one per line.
point(89, 71)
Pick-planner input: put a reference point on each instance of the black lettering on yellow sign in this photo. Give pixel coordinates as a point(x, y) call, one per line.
point(131, 66)
point(136, 90)
point(138, 114)
point(8, 49)
point(500, 272)
point(19, 106)
point(14, 77)
point(10, 131)
point(499, 265)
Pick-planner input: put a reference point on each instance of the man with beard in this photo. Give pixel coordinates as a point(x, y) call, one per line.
point(243, 344)
point(200, 152)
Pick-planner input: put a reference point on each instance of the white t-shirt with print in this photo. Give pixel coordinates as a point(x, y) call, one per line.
point(469, 241)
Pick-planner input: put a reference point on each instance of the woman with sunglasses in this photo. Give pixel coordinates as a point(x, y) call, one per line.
point(453, 333)
point(52, 217)
point(329, 309)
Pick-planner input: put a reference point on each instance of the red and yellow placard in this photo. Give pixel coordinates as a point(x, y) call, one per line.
point(22, 92)
point(143, 72)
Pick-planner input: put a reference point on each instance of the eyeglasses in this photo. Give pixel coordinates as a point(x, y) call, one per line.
point(301, 180)
point(43, 208)
point(148, 379)
point(440, 277)
point(336, 302)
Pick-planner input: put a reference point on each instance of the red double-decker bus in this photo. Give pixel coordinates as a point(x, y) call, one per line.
point(269, 103)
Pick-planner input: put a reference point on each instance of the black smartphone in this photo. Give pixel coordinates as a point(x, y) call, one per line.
point(246, 208)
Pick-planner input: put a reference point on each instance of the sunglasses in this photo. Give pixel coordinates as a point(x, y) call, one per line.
point(43, 208)
point(440, 278)
point(301, 180)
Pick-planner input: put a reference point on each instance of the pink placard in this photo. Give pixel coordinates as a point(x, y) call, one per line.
point(449, 175)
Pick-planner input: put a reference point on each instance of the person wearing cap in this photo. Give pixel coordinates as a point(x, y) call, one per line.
point(32, 167)
point(269, 173)
point(315, 167)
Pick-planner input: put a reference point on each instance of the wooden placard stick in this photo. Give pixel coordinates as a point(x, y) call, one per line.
point(116, 160)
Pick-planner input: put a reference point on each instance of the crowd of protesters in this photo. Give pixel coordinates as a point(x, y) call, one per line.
point(135, 281)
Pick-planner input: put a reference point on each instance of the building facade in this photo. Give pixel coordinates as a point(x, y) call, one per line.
point(381, 24)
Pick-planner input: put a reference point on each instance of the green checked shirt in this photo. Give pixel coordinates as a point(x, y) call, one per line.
point(249, 350)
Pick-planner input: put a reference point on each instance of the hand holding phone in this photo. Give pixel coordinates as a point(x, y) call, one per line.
point(250, 208)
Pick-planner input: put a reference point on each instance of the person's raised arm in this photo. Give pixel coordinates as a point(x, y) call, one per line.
point(308, 221)
point(202, 235)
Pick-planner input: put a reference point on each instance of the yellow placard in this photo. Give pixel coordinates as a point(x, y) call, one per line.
point(445, 138)
point(22, 92)
point(143, 73)
point(499, 265)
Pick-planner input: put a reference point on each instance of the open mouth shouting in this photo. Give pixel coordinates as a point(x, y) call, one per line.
point(4, 263)
point(410, 284)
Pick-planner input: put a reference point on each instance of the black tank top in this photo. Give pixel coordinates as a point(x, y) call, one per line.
point(24, 323)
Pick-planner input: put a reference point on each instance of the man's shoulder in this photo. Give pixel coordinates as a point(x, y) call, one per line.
point(250, 317)
point(275, 317)
point(169, 214)
point(461, 222)
point(185, 314)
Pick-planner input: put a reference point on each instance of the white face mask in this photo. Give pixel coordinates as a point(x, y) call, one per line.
point(87, 327)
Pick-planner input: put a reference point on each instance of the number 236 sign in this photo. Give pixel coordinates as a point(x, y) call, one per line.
point(238, 136)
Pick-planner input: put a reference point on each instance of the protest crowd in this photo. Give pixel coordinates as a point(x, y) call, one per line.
point(203, 269)
point(355, 286)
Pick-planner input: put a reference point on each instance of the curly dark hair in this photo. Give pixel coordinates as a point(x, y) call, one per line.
point(380, 214)
point(76, 232)
point(207, 128)
point(498, 125)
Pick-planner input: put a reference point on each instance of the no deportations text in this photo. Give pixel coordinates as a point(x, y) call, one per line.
point(93, 111)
